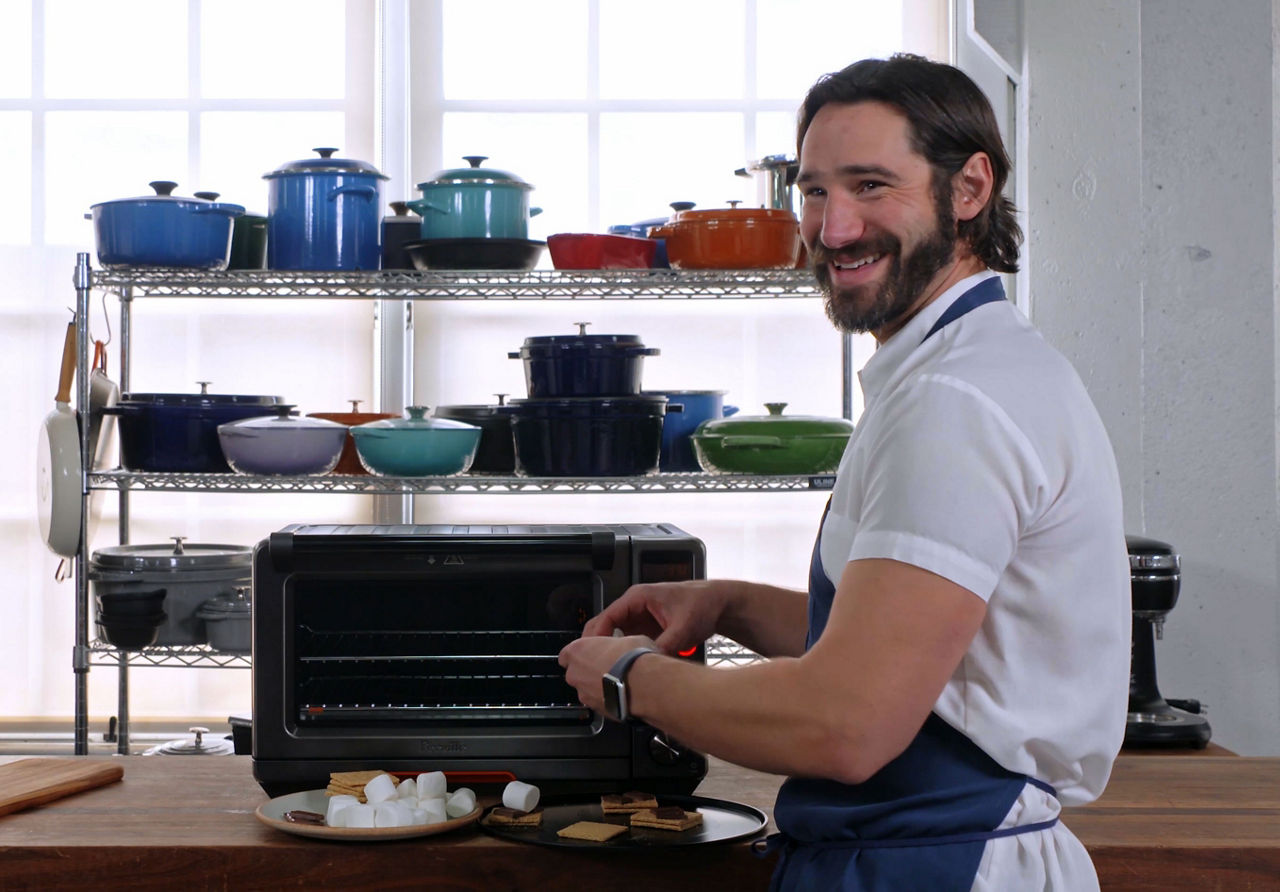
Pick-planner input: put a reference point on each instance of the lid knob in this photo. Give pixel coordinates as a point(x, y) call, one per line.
point(400, 208)
point(204, 387)
point(475, 160)
point(775, 408)
point(198, 731)
point(355, 405)
point(163, 187)
point(502, 398)
point(682, 205)
point(284, 411)
point(242, 593)
point(582, 328)
point(734, 202)
point(208, 196)
point(417, 413)
point(325, 152)
point(177, 544)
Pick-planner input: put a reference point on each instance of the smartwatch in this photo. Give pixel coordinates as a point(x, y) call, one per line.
point(616, 706)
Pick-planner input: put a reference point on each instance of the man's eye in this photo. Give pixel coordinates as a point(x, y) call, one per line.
point(869, 185)
point(812, 192)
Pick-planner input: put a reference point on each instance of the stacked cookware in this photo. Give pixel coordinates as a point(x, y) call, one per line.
point(585, 415)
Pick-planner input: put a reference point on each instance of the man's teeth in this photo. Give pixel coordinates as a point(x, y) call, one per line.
point(857, 263)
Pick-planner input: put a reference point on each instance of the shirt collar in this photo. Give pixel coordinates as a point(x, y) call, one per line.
point(893, 352)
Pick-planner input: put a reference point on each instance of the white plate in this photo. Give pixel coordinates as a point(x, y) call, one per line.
point(272, 812)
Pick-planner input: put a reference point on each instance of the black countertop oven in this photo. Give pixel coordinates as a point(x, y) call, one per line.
point(434, 647)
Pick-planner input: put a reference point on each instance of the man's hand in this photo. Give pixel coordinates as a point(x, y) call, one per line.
point(676, 615)
point(587, 659)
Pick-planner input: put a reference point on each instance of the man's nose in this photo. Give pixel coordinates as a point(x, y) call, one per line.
point(842, 222)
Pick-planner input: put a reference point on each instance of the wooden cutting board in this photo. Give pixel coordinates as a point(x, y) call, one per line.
point(29, 782)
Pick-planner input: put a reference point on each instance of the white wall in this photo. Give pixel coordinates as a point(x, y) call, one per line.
point(1151, 162)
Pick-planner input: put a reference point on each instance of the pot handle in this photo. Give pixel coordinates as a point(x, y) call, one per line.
point(640, 351)
point(659, 232)
point(514, 355)
point(729, 410)
point(751, 442)
point(366, 192)
point(533, 212)
point(421, 204)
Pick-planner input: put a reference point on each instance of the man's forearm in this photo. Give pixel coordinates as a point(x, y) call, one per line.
point(770, 620)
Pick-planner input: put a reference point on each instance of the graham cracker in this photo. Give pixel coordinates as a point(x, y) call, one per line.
point(513, 819)
point(627, 803)
point(591, 831)
point(671, 817)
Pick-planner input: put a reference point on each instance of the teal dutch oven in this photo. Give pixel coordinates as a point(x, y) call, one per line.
point(416, 446)
point(474, 202)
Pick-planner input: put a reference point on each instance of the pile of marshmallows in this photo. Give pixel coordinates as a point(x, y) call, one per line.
point(421, 801)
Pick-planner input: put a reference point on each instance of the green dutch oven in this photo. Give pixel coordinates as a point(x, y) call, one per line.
point(771, 444)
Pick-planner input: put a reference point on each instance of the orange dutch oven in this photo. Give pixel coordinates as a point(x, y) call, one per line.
point(732, 238)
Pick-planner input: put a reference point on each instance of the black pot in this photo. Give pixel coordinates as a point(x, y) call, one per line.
point(249, 243)
point(179, 431)
point(130, 632)
point(474, 253)
point(557, 366)
point(496, 453)
point(587, 436)
point(397, 231)
point(130, 604)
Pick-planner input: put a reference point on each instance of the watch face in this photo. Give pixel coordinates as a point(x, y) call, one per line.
point(613, 698)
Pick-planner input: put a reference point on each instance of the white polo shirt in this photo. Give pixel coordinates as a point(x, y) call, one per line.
point(980, 457)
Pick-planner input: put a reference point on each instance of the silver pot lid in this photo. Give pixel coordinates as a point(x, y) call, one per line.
point(326, 163)
point(198, 745)
point(176, 558)
point(227, 606)
point(282, 420)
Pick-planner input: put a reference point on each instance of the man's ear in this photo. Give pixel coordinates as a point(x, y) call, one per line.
point(971, 186)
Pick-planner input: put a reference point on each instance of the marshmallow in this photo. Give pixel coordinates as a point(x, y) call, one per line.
point(357, 815)
point(462, 802)
point(435, 811)
point(521, 796)
point(335, 806)
point(380, 789)
point(431, 784)
point(420, 816)
point(407, 790)
point(391, 813)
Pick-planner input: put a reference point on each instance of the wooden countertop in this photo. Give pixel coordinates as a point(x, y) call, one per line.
point(187, 822)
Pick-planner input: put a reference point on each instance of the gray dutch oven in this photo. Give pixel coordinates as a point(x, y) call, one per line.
point(474, 202)
point(229, 622)
point(189, 574)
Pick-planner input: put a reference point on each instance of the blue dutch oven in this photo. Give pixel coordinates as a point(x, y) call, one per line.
point(474, 202)
point(163, 230)
point(686, 409)
point(324, 213)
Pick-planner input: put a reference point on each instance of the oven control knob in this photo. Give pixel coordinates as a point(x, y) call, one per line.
point(663, 750)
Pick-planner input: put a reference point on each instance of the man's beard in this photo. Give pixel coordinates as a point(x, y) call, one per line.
point(850, 311)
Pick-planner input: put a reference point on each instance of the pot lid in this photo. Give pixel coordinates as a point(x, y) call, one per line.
point(223, 606)
point(478, 412)
point(416, 421)
point(283, 420)
point(198, 745)
point(162, 196)
point(733, 213)
point(326, 163)
point(355, 416)
point(582, 340)
point(604, 404)
point(775, 424)
point(202, 399)
point(475, 175)
point(178, 557)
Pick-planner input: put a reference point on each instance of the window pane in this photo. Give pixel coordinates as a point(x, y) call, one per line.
point(644, 54)
point(93, 51)
point(237, 148)
point(798, 40)
point(548, 151)
point(490, 53)
point(648, 160)
point(100, 156)
point(292, 50)
point(15, 187)
point(15, 50)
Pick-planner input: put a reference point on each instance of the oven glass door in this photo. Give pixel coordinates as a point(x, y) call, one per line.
point(460, 653)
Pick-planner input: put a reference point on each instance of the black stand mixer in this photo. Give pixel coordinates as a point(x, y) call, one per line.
point(1156, 577)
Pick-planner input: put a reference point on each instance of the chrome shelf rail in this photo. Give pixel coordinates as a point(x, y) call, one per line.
point(648, 284)
point(194, 655)
point(135, 481)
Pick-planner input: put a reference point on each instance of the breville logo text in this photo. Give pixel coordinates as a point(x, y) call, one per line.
point(448, 746)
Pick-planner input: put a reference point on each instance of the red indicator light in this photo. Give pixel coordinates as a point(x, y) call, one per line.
point(687, 653)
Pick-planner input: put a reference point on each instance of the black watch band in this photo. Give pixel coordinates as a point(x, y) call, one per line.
point(616, 702)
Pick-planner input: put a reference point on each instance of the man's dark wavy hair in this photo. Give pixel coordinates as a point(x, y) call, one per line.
point(950, 120)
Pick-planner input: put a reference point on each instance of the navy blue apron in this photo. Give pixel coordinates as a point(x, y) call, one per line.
point(924, 819)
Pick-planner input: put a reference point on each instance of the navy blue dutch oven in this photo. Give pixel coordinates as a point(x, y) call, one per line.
point(163, 230)
point(582, 364)
point(324, 214)
point(587, 436)
point(686, 409)
point(178, 432)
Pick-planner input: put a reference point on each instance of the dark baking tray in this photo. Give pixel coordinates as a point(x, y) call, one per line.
point(722, 821)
